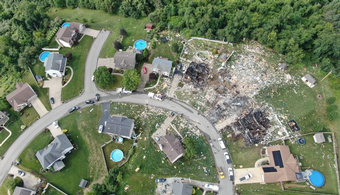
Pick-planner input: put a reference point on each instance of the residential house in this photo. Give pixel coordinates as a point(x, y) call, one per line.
point(119, 126)
point(3, 119)
point(282, 165)
point(83, 183)
point(124, 60)
point(181, 189)
point(66, 36)
point(161, 66)
point(319, 138)
point(172, 147)
point(53, 154)
point(55, 65)
point(309, 80)
point(23, 191)
point(21, 97)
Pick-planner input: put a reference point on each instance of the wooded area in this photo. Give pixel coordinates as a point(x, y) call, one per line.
point(305, 32)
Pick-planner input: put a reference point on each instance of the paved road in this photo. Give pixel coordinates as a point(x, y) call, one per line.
point(226, 187)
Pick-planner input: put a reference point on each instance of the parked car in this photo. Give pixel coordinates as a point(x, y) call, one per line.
point(74, 108)
point(55, 124)
point(52, 100)
point(231, 174)
point(144, 70)
point(100, 128)
point(160, 180)
point(92, 78)
point(21, 173)
point(97, 97)
point(220, 173)
point(211, 187)
point(246, 177)
point(89, 102)
point(227, 157)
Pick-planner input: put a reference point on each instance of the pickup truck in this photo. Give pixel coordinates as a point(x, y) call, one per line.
point(220, 173)
point(231, 174)
point(220, 141)
point(227, 157)
point(245, 178)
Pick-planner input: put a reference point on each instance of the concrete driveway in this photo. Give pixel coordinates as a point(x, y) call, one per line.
point(144, 77)
point(55, 86)
point(177, 78)
point(54, 131)
point(39, 107)
point(256, 172)
point(90, 32)
point(30, 181)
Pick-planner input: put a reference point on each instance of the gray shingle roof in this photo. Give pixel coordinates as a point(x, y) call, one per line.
point(83, 183)
point(22, 191)
point(54, 151)
point(3, 118)
point(58, 165)
point(161, 64)
point(309, 78)
point(181, 189)
point(55, 61)
point(125, 60)
point(119, 125)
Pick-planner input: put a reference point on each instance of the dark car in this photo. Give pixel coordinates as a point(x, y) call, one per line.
point(97, 97)
point(52, 100)
point(89, 102)
point(73, 109)
point(21, 173)
point(160, 180)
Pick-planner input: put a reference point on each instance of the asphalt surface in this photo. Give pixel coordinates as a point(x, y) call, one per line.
point(226, 187)
point(106, 113)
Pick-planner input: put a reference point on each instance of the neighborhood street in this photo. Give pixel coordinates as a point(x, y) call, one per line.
point(226, 186)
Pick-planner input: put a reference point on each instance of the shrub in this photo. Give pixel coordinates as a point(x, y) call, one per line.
point(332, 116)
point(153, 45)
point(123, 32)
point(331, 100)
point(175, 47)
point(332, 108)
point(117, 45)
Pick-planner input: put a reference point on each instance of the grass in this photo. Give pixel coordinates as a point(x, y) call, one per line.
point(162, 50)
point(3, 135)
point(6, 185)
point(79, 54)
point(52, 191)
point(125, 146)
point(101, 20)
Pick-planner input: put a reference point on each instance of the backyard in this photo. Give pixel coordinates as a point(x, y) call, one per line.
point(125, 146)
point(52, 191)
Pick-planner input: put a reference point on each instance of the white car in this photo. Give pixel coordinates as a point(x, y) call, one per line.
point(246, 177)
point(55, 124)
point(231, 174)
point(92, 78)
point(227, 157)
point(211, 187)
point(100, 128)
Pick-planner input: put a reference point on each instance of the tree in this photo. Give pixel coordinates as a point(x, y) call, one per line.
point(118, 45)
point(123, 32)
point(175, 47)
point(103, 78)
point(331, 100)
point(145, 53)
point(120, 177)
point(190, 148)
point(131, 79)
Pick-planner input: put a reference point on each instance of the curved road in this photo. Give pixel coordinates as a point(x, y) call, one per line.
point(226, 187)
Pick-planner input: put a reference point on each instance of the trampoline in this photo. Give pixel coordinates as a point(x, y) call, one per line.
point(116, 155)
point(44, 55)
point(301, 141)
point(66, 24)
point(140, 44)
point(317, 179)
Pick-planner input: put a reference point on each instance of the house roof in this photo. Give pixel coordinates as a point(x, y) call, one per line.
point(55, 61)
point(282, 165)
point(20, 95)
point(181, 189)
point(309, 78)
point(171, 146)
point(161, 64)
point(56, 149)
point(125, 60)
point(58, 165)
point(22, 191)
point(83, 183)
point(119, 125)
point(66, 33)
point(3, 118)
point(319, 138)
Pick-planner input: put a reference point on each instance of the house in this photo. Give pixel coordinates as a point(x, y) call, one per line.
point(23, 191)
point(21, 97)
point(149, 26)
point(172, 147)
point(55, 65)
point(66, 36)
point(3, 119)
point(309, 80)
point(161, 66)
point(319, 138)
point(119, 126)
point(282, 165)
point(83, 183)
point(124, 60)
point(54, 153)
point(181, 189)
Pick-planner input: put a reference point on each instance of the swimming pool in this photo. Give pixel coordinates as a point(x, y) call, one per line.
point(317, 179)
point(116, 155)
point(44, 55)
point(140, 44)
point(66, 24)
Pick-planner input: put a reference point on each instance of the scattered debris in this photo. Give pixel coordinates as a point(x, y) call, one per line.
point(197, 74)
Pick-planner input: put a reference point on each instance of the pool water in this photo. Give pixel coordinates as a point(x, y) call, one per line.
point(140, 44)
point(116, 155)
point(44, 55)
point(65, 24)
point(317, 179)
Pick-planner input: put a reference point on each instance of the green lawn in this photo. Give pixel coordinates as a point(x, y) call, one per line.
point(125, 146)
point(162, 50)
point(101, 20)
point(3, 135)
point(52, 191)
point(79, 54)
point(6, 185)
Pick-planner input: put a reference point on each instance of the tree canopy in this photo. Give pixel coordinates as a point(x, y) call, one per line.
point(103, 78)
point(131, 79)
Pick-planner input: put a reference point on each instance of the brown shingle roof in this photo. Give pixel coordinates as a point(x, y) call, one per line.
point(21, 95)
point(67, 33)
point(172, 147)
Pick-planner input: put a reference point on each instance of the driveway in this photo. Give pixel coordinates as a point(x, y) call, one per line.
point(162, 130)
point(256, 172)
point(39, 107)
point(55, 86)
point(145, 77)
point(177, 78)
point(106, 113)
point(30, 181)
point(90, 32)
point(55, 131)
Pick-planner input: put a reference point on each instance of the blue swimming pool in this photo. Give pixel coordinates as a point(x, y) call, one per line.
point(317, 179)
point(140, 44)
point(44, 55)
point(65, 24)
point(117, 155)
